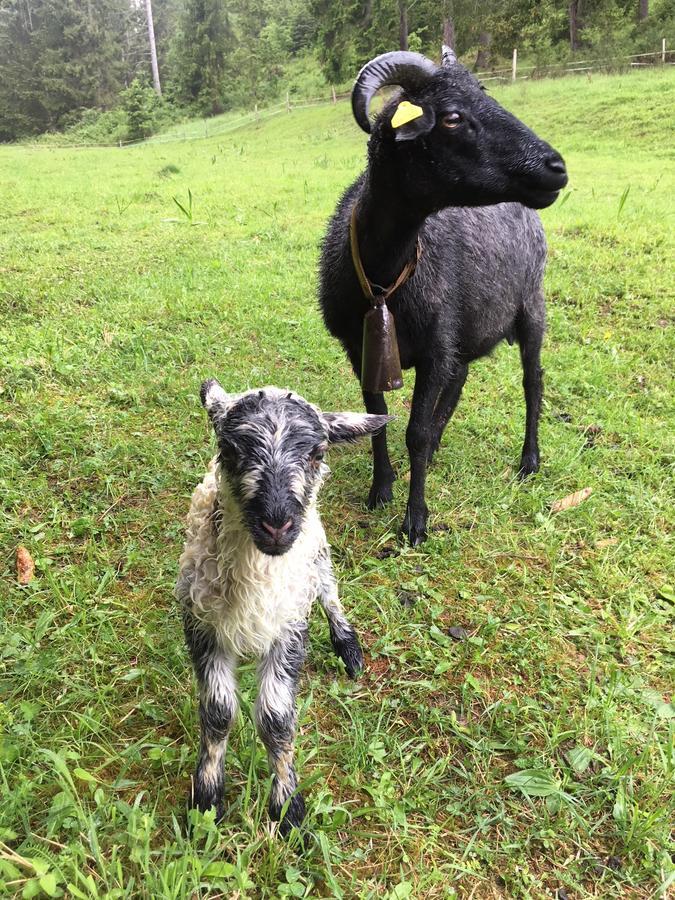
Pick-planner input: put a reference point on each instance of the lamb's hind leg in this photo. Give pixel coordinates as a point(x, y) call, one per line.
point(530, 333)
point(342, 635)
point(275, 716)
point(215, 673)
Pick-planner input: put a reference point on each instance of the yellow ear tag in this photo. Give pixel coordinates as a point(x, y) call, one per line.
point(405, 112)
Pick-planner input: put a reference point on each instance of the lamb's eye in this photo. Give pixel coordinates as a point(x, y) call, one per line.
point(451, 120)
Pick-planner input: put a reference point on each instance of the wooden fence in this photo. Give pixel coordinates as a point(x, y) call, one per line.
point(206, 128)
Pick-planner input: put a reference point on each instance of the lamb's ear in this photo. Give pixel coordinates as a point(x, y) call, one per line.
point(215, 401)
point(349, 426)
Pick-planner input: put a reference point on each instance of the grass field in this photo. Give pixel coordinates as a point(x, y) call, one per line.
point(114, 306)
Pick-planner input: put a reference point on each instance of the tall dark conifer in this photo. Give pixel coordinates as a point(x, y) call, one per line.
point(202, 43)
point(57, 57)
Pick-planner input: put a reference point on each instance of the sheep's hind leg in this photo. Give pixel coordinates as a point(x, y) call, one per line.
point(445, 407)
point(275, 716)
point(418, 436)
point(343, 637)
point(215, 673)
point(381, 491)
point(530, 333)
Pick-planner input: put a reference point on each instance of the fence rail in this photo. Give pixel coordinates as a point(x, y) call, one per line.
point(516, 72)
point(208, 128)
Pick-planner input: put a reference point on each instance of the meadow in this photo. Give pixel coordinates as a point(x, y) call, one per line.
point(533, 757)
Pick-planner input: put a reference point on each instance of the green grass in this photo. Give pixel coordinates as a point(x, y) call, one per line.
point(114, 307)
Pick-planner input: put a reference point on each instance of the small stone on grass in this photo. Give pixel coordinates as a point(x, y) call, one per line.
point(458, 633)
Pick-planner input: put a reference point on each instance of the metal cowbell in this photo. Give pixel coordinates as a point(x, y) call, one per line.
point(380, 361)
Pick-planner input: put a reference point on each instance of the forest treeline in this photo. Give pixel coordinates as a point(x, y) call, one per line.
point(88, 64)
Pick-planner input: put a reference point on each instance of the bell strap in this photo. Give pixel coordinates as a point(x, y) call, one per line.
point(367, 286)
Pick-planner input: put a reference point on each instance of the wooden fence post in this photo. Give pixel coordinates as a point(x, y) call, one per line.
point(332, 89)
point(663, 50)
point(257, 117)
point(288, 101)
point(514, 65)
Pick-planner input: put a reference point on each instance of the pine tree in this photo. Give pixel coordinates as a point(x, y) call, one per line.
point(57, 57)
point(199, 51)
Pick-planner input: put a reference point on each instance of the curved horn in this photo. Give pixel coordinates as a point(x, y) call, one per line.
point(448, 57)
point(410, 70)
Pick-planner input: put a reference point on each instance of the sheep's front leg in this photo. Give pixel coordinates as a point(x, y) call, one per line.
point(418, 440)
point(275, 716)
point(215, 673)
point(381, 491)
point(342, 635)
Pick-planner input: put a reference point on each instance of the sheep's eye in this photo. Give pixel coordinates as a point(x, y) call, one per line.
point(451, 120)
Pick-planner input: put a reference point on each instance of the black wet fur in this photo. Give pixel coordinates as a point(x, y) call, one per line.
point(467, 191)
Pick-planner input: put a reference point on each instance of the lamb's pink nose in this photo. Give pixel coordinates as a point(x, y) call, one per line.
point(277, 533)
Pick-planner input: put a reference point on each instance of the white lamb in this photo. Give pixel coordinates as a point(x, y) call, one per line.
point(255, 558)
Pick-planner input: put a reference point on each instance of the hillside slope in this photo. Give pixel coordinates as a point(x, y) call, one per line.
point(114, 306)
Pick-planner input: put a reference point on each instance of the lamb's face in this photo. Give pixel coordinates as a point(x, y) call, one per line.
point(271, 445)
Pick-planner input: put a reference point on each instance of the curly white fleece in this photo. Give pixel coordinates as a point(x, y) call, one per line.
point(247, 597)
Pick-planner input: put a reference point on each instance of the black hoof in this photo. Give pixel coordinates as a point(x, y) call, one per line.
point(349, 651)
point(529, 465)
point(293, 818)
point(415, 528)
point(204, 804)
point(380, 495)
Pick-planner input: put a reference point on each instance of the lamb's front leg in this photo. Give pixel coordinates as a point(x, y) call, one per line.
point(215, 671)
point(342, 635)
point(275, 715)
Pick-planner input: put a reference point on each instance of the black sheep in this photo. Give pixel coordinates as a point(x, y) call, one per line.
point(456, 185)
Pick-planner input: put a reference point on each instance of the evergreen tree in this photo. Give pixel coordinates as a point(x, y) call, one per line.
point(57, 57)
point(204, 38)
point(137, 101)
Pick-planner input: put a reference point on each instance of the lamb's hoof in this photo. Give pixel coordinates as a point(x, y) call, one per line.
point(529, 465)
point(293, 817)
point(347, 648)
point(415, 527)
point(380, 495)
point(203, 807)
point(352, 657)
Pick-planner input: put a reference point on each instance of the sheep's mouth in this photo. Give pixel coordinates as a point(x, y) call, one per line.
point(540, 192)
point(538, 198)
point(271, 547)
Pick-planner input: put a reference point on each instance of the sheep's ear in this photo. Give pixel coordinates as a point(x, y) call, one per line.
point(414, 127)
point(348, 426)
point(215, 401)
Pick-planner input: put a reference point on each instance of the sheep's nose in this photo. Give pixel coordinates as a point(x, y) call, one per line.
point(277, 533)
point(555, 163)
